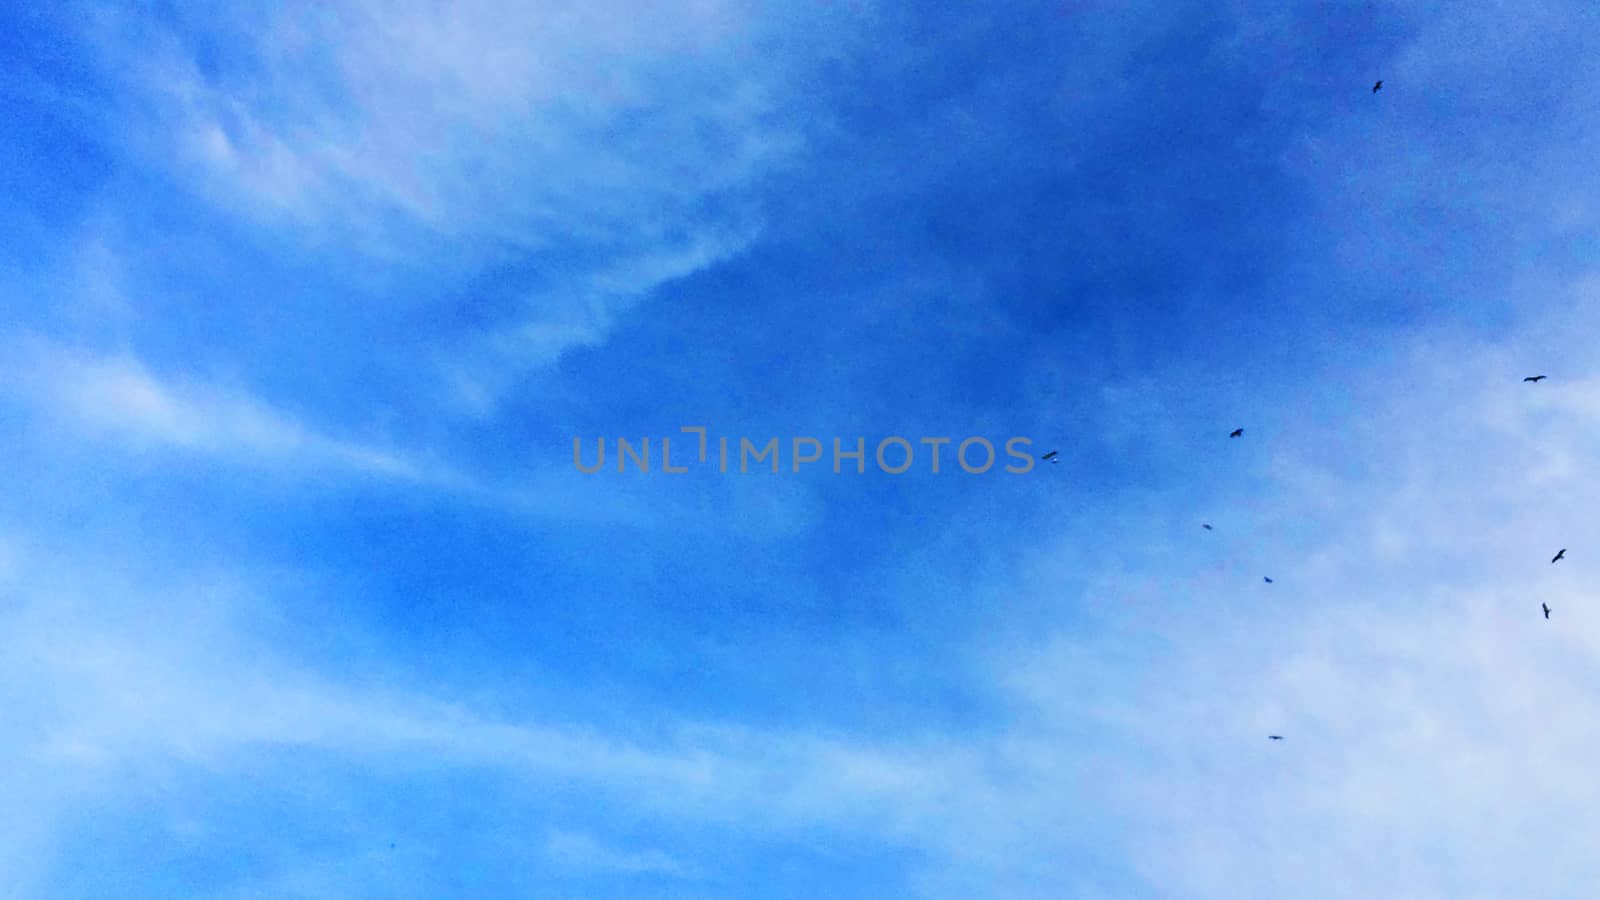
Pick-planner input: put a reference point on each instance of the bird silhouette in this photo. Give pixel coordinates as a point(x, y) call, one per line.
point(1535, 378)
point(1236, 432)
point(1266, 579)
point(1274, 737)
point(1559, 556)
point(1050, 456)
point(1377, 87)
point(1205, 526)
point(1546, 607)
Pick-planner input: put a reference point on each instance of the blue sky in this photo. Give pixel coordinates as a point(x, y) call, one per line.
point(302, 597)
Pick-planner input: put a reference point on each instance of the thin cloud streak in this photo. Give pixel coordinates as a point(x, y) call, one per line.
point(117, 397)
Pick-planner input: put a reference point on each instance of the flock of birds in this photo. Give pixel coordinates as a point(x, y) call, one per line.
point(1532, 379)
point(1562, 553)
point(1054, 457)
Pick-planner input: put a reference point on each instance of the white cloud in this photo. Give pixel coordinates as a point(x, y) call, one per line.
point(117, 397)
point(105, 677)
point(584, 854)
point(1439, 730)
point(619, 137)
point(577, 314)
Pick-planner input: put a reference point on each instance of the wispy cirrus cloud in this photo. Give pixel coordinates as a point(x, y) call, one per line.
point(106, 679)
point(117, 397)
point(583, 854)
point(610, 148)
point(437, 112)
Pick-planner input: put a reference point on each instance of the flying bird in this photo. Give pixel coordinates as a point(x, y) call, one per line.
point(1050, 456)
point(1205, 526)
point(1546, 609)
point(1236, 432)
point(1535, 378)
point(1559, 556)
point(1266, 579)
point(1274, 737)
point(1377, 87)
